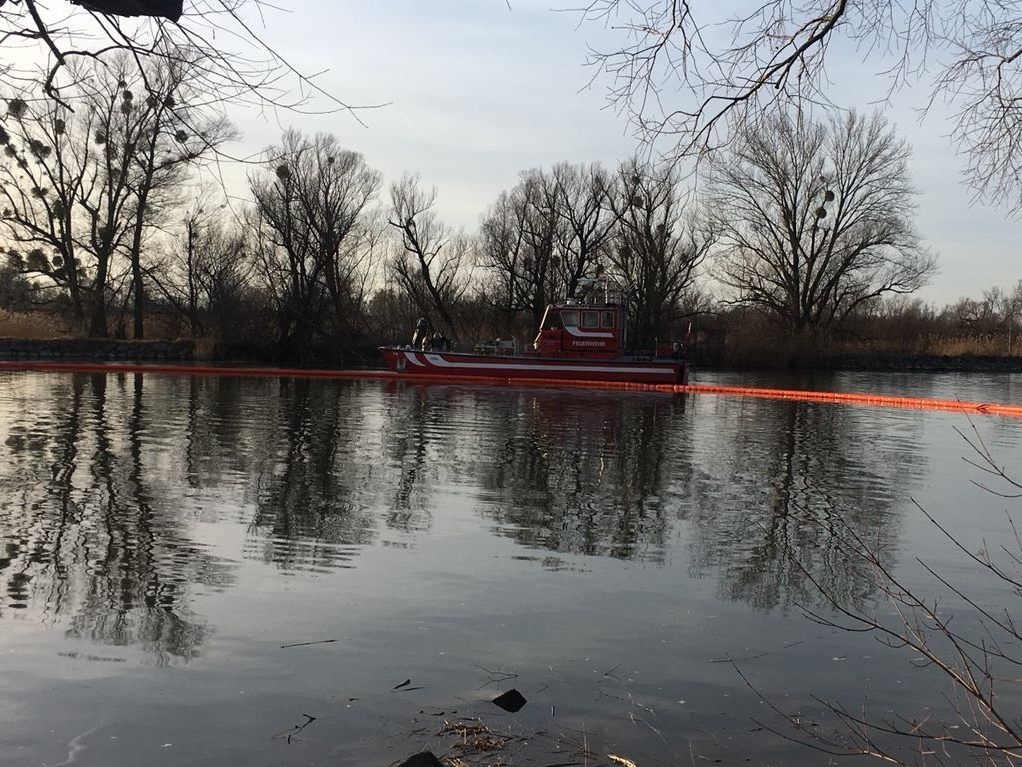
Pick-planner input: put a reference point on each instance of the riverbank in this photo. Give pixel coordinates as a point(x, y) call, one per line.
point(109, 350)
point(95, 350)
point(926, 363)
point(874, 363)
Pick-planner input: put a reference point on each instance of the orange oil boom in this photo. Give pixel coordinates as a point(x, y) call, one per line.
point(844, 398)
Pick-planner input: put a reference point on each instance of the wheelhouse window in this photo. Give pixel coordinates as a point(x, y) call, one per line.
point(608, 319)
point(570, 318)
point(590, 319)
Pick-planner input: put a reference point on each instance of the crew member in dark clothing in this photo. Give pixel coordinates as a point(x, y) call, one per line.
point(421, 333)
point(439, 342)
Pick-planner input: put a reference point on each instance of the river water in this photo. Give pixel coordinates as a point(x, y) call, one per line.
point(232, 571)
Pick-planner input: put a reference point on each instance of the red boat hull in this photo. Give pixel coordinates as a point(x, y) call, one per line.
point(440, 364)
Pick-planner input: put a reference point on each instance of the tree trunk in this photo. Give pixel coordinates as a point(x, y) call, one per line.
point(136, 261)
point(73, 287)
point(136, 279)
point(193, 290)
point(438, 302)
point(98, 320)
point(77, 312)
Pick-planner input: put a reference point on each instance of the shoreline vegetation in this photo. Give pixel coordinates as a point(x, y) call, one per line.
point(906, 336)
point(765, 357)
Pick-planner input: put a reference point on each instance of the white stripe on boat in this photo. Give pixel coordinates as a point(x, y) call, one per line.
point(586, 334)
point(435, 360)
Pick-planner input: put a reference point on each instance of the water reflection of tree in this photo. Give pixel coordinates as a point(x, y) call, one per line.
point(102, 474)
point(221, 419)
point(778, 486)
point(751, 487)
point(424, 437)
point(86, 541)
point(583, 475)
point(319, 485)
point(303, 454)
point(587, 477)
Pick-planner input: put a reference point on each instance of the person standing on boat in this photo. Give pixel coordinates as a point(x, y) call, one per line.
point(439, 343)
point(421, 334)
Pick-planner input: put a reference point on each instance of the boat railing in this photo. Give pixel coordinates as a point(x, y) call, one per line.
point(598, 291)
point(499, 347)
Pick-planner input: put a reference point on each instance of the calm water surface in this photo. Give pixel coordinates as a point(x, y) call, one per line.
point(162, 538)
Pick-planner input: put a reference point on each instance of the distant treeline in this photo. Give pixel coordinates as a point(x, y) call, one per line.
point(897, 326)
point(801, 236)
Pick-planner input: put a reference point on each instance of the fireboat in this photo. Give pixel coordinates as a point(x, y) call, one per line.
point(582, 339)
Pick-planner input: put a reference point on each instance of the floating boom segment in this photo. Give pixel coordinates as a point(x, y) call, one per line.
point(801, 395)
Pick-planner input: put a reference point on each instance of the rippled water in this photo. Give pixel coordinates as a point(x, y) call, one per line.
point(162, 539)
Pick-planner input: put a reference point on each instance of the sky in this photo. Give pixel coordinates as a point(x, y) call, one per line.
point(476, 91)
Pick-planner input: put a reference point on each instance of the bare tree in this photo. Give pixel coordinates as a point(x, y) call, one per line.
point(661, 244)
point(816, 218)
point(85, 214)
point(108, 206)
point(703, 75)
point(314, 236)
point(174, 131)
point(541, 237)
point(225, 35)
point(206, 270)
point(430, 265)
point(582, 201)
point(541, 223)
point(49, 161)
point(520, 234)
point(86, 187)
point(501, 253)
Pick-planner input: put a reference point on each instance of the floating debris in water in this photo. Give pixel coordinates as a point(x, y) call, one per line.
point(290, 734)
point(512, 701)
point(403, 687)
point(475, 736)
point(306, 644)
point(423, 759)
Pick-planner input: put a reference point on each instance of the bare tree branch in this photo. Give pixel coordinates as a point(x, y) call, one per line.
point(697, 78)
